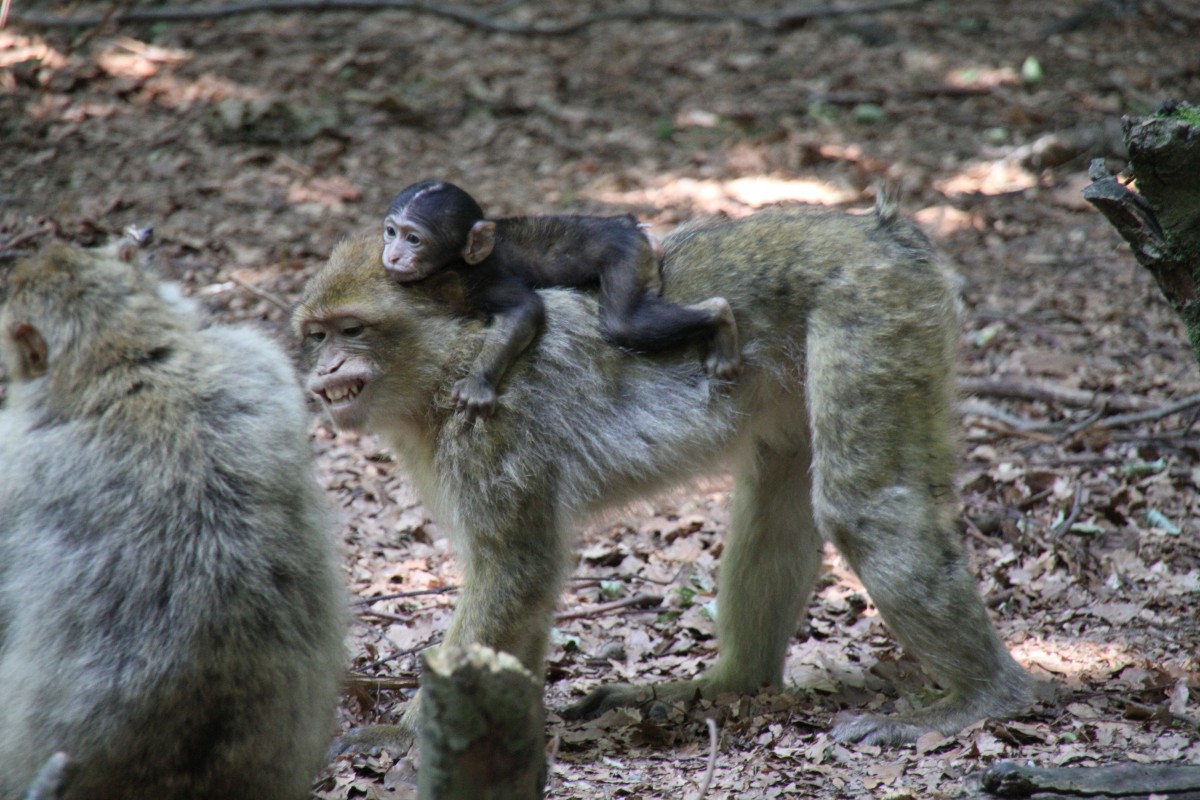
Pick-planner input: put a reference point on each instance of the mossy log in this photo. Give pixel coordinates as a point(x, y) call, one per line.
point(482, 732)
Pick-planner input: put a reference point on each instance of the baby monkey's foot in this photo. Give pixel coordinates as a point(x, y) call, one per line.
point(724, 360)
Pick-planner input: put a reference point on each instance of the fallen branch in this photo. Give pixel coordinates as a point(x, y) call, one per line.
point(1010, 424)
point(1151, 415)
point(373, 684)
point(640, 600)
point(1126, 781)
point(262, 294)
point(1017, 425)
point(366, 601)
point(1009, 389)
point(778, 21)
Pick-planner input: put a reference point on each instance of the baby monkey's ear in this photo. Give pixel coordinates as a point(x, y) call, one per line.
point(481, 240)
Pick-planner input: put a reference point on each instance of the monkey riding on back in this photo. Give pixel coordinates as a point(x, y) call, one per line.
point(839, 428)
point(434, 228)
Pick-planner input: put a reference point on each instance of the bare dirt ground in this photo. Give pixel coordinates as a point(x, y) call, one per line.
point(253, 143)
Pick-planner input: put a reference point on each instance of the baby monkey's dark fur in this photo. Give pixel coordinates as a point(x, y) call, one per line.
point(436, 228)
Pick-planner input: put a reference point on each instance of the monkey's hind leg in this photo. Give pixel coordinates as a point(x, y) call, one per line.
point(653, 325)
point(883, 476)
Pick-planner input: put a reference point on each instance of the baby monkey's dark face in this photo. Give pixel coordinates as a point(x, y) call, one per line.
point(409, 252)
point(430, 226)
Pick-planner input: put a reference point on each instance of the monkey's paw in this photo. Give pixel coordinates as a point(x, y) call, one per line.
point(723, 367)
point(370, 739)
point(653, 701)
point(947, 716)
point(474, 396)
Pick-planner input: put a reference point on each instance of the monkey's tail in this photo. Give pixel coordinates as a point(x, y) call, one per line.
point(887, 204)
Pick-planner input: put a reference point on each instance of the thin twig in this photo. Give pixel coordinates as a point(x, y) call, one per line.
point(772, 21)
point(551, 762)
point(1010, 389)
point(1072, 516)
point(274, 300)
point(12, 244)
point(372, 684)
point(586, 579)
point(377, 614)
point(370, 666)
point(1152, 415)
point(712, 758)
point(604, 608)
point(366, 601)
point(1010, 424)
point(1020, 426)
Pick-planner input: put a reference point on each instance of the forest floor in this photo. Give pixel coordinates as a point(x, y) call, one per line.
point(254, 143)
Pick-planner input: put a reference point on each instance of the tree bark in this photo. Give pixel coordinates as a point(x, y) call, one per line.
point(1161, 221)
point(1123, 781)
point(482, 732)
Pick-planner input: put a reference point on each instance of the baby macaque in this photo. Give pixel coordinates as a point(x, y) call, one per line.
point(434, 227)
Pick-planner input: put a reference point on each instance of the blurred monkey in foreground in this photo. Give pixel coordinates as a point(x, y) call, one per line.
point(840, 428)
point(171, 616)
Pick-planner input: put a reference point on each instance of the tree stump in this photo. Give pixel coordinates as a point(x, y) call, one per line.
point(1161, 221)
point(482, 731)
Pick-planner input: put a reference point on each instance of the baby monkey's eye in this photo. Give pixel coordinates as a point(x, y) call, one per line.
point(389, 232)
point(413, 239)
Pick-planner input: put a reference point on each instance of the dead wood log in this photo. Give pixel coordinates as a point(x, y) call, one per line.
point(1118, 782)
point(482, 732)
point(772, 21)
point(1161, 220)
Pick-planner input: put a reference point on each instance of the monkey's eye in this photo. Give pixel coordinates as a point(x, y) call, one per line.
point(413, 239)
point(389, 233)
point(353, 331)
point(315, 336)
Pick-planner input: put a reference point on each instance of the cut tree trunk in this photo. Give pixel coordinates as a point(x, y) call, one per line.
point(1161, 221)
point(482, 731)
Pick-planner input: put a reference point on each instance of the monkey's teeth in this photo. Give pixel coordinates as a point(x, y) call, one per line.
point(336, 394)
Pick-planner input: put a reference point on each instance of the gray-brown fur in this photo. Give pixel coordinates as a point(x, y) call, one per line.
point(840, 428)
point(170, 610)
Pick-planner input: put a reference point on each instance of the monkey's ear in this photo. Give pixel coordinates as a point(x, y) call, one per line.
point(31, 350)
point(448, 288)
point(480, 241)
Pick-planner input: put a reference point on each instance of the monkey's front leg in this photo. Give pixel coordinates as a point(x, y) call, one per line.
point(513, 561)
point(511, 332)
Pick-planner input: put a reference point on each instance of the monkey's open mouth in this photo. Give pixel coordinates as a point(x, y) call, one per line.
point(342, 392)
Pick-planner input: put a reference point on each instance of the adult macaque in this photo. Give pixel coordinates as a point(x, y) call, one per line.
point(840, 427)
point(171, 615)
point(434, 226)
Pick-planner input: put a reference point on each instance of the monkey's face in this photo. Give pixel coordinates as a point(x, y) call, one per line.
point(409, 251)
point(343, 371)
